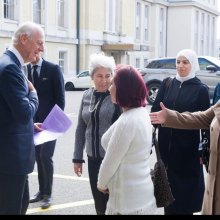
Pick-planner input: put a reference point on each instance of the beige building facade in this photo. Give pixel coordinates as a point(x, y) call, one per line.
point(130, 30)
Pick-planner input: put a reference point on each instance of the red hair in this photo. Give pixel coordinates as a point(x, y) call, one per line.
point(131, 91)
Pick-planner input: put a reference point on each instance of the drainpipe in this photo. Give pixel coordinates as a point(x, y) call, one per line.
point(78, 37)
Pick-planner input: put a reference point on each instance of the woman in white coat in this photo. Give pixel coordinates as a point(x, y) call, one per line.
point(125, 172)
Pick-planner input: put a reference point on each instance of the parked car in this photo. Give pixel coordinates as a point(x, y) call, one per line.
point(80, 81)
point(158, 69)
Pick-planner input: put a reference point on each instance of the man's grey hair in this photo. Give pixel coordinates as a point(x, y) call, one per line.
point(98, 60)
point(27, 28)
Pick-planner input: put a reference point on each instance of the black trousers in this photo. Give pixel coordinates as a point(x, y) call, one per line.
point(14, 194)
point(100, 198)
point(44, 159)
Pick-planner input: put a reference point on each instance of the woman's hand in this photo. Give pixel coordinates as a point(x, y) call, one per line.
point(38, 127)
point(77, 169)
point(105, 191)
point(159, 117)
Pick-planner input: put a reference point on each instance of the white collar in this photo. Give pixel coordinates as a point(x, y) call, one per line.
point(39, 63)
point(17, 54)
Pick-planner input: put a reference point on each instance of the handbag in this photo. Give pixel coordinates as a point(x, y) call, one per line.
point(162, 190)
point(204, 148)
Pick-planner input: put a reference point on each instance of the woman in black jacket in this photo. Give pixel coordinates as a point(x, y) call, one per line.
point(179, 148)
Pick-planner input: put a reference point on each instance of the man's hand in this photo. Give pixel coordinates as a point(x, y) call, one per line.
point(31, 87)
point(159, 117)
point(38, 127)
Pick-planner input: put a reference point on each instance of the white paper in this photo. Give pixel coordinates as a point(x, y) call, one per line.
point(55, 125)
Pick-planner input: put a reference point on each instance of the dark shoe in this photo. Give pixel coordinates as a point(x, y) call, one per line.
point(36, 198)
point(46, 202)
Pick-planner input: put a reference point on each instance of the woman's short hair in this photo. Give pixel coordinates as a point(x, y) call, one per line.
point(131, 90)
point(98, 60)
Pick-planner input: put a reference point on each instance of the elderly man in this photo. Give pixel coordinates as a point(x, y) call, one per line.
point(18, 105)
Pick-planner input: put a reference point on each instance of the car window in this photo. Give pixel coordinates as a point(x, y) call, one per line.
point(84, 74)
point(152, 64)
point(213, 60)
point(162, 64)
point(169, 64)
point(203, 63)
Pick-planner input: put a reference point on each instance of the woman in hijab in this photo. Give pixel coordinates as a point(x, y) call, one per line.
point(179, 148)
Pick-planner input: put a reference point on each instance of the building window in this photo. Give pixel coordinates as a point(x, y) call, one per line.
point(9, 9)
point(208, 35)
point(146, 23)
point(62, 61)
point(61, 13)
point(137, 63)
point(138, 20)
point(112, 15)
point(213, 38)
point(196, 40)
point(145, 62)
point(162, 28)
point(202, 41)
point(38, 11)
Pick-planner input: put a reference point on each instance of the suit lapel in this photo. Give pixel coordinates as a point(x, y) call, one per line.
point(43, 70)
point(17, 62)
point(29, 73)
point(41, 74)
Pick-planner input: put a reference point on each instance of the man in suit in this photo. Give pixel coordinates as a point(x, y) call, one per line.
point(49, 83)
point(18, 105)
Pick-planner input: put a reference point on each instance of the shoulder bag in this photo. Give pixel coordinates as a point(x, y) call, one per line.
point(162, 191)
point(204, 148)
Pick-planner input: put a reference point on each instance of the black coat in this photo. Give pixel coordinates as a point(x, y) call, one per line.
point(179, 148)
point(50, 89)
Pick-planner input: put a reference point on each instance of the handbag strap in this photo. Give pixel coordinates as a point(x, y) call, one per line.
point(155, 143)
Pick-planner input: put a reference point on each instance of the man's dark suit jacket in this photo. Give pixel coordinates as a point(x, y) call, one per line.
point(50, 89)
point(17, 109)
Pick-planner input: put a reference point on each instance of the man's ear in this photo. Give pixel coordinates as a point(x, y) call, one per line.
point(23, 38)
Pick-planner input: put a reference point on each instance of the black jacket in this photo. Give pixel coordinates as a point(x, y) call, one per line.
point(50, 89)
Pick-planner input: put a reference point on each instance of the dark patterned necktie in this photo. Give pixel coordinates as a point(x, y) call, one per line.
point(35, 76)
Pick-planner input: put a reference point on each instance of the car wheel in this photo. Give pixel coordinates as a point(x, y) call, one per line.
point(69, 86)
point(152, 92)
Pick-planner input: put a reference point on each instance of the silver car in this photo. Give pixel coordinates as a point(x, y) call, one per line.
point(158, 69)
